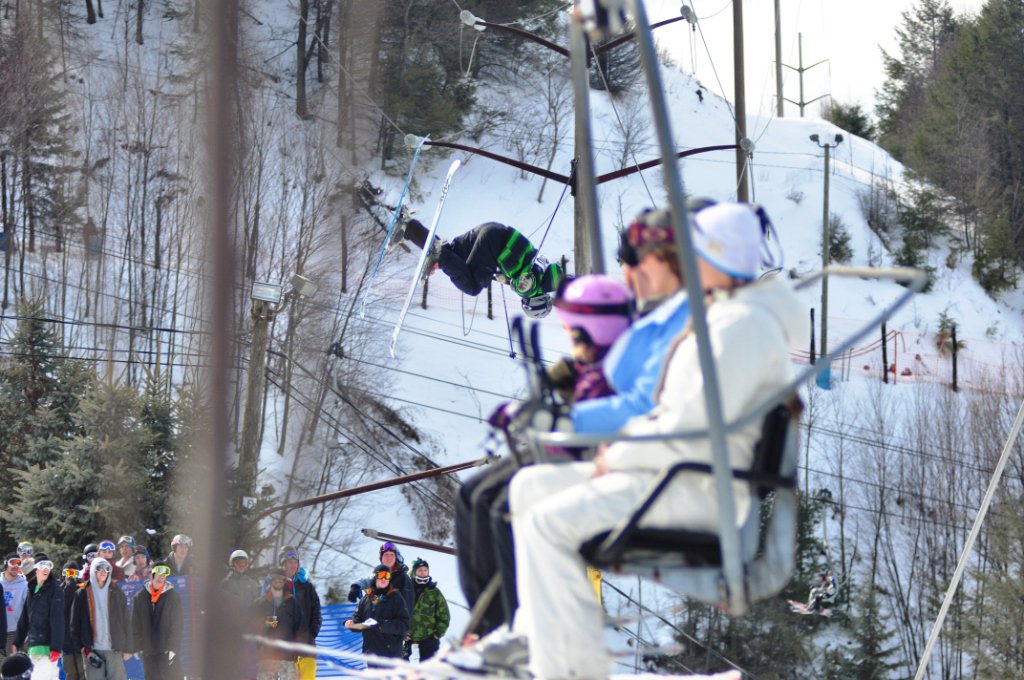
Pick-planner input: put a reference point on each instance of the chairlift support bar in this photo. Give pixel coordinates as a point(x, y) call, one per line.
point(585, 190)
point(728, 532)
point(915, 280)
point(411, 542)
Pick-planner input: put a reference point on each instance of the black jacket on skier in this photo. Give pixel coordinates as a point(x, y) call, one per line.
point(492, 250)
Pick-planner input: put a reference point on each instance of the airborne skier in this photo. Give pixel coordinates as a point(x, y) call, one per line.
point(491, 251)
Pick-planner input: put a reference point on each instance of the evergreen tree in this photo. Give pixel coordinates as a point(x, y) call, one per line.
point(996, 620)
point(160, 419)
point(852, 118)
point(616, 70)
point(40, 391)
point(872, 650)
point(97, 486)
point(924, 33)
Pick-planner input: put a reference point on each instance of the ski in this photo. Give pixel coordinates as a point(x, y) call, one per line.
point(428, 244)
point(391, 228)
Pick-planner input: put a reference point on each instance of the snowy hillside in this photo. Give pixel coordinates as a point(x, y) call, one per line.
point(456, 360)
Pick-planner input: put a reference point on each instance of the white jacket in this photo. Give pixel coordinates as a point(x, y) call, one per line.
point(751, 332)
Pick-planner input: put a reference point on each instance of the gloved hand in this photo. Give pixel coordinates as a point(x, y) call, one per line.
point(503, 415)
point(353, 592)
point(54, 656)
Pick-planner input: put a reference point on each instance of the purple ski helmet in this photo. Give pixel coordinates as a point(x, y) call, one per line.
point(598, 305)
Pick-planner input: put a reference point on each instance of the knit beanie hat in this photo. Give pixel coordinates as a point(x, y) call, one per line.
point(729, 237)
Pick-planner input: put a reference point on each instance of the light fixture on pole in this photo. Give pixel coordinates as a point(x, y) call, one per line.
point(267, 300)
point(825, 374)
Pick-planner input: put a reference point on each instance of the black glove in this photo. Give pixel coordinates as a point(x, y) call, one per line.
point(353, 592)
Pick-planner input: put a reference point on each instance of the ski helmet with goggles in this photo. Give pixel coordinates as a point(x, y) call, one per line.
point(90, 551)
point(16, 667)
point(181, 539)
point(537, 307)
point(598, 305)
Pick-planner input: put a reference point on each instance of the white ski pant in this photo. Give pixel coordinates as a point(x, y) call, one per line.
point(555, 509)
point(43, 668)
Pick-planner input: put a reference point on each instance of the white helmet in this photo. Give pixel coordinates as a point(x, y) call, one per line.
point(181, 539)
point(238, 555)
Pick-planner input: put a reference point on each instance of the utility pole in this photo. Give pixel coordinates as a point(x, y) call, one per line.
point(263, 313)
point(778, 60)
point(586, 238)
point(800, 70)
point(824, 377)
point(742, 186)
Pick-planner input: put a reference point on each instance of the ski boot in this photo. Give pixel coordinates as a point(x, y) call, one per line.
point(501, 653)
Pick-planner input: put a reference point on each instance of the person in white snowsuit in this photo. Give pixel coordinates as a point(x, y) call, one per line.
point(555, 508)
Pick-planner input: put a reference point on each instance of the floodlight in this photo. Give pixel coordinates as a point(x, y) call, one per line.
point(747, 144)
point(839, 138)
point(471, 19)
point(411, 141)
point(814, 137)
point(267, 292)
point(303, 287)
point(687, 13)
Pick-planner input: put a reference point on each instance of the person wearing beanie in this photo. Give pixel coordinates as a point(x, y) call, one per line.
point(41, 626)
point(140, 565)
point(430, 615)
point(388, 555)
point(381, 617)
point(100, 625)
point(275, 615)
point(15, 590)
point(71, 657)
point(556, 508)
point(157, 626)
point(307, 608)
point(126, 553)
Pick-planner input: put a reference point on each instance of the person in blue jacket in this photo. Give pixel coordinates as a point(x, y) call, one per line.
point(649, 259)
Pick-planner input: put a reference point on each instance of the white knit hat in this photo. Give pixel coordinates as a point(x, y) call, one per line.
point(729, 236)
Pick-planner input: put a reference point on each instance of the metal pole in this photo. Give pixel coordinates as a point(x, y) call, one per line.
point(742, 186)
point(587, 241)
point(728, 533)
point(826, 243)
point(778, 60)
point(800, 70)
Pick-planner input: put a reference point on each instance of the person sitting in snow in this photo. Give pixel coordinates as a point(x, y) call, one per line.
point(490, 251)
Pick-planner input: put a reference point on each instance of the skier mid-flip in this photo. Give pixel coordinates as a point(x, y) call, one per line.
point(490, 251)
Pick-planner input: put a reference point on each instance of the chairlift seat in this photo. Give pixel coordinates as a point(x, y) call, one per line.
point(691, 561)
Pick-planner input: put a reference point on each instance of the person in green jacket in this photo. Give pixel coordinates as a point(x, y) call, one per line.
point(430, 615)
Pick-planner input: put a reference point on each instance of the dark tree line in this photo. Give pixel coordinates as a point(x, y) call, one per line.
point(952, 109)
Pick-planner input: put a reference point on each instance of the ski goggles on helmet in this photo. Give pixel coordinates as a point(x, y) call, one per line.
point(388, 547)
point(126, 540)
point(24, 549)
point(108, 545)
point(14, 562)
point(386, 575)
point(161, 570)
point(45, 565)
point(289, 555)
point(71, 573)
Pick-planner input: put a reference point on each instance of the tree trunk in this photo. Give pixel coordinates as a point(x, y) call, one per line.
point(90, 12)
point(301, 107)
point(138, 20)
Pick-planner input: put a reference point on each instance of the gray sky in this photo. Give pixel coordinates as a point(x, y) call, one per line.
point(847, 34)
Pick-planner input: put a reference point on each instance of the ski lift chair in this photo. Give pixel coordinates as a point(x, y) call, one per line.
point(691, 561)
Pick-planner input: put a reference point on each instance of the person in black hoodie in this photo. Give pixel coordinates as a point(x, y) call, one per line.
point(156, 626)
point(74, 668)
point(99, 625)
point(381, 617)
point(41, 626)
